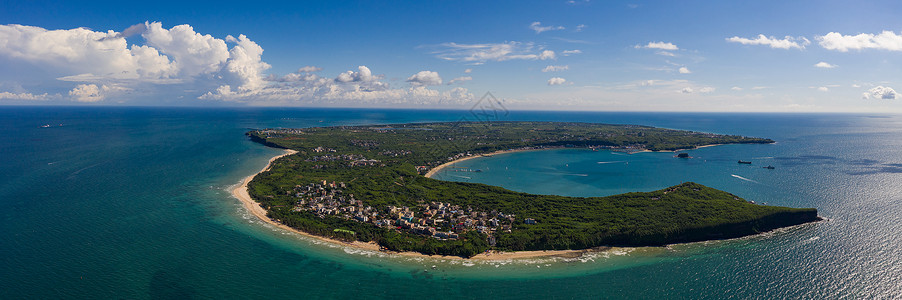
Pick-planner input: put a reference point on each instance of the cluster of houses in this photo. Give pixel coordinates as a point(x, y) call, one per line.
point(437, 219)
point(355, 160)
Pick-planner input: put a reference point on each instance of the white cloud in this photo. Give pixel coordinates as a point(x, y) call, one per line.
point(823, 89)
point(787, 42)
point(80, 50)
point(553, 68)
point(174, 55)
point(556, 81)
point(460, 79)
point(570, 52)
point(192, 52)
point(538, 28)
point(824, 65)
point(309, 69)
point(665, 53)
point(659, 46)
point(481, 53)
point(86, 93)
point(28, 96)
point(244, 66)
point(736, 88)
point(704, 90)
point(363, 74)
point(580, 27)
point(546, 54)
point(360, 88)
point(424, 78)
point(880, 92)
point(468, 71)
point(886, 40)
point(684, 70)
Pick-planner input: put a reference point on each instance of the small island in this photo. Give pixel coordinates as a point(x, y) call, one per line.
point(371, 185)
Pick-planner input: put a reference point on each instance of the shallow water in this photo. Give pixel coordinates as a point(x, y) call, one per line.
point(134, 203)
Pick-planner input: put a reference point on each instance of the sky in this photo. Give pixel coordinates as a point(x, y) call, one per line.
point(720, 56)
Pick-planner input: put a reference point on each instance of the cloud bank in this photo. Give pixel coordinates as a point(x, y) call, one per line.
point(105, 64)
point(787, 42)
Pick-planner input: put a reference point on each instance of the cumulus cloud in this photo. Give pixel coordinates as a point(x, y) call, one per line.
point(468, 71)
point(86, 93)
point(80, 51)
point(556, 81)
point(553, 68)
point(460, 79)
point(424, 78)
point(824, 65)
point(736, 88)
point(659, 46)
point(363, 74)
point(687, 90)
point(538, 28)
point(787, 42)
point(480, 53)
point(823, 89)
point(580, 27)
point(95, 93)
point(881, 92)
point(886, 40)
point(168, 56)
point(684, 70)
point(244, 66)
point(193, 53)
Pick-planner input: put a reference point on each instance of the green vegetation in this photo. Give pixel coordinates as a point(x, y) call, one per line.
point(365, 183)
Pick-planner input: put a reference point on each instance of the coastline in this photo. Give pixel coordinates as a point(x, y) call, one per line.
point(240, 192)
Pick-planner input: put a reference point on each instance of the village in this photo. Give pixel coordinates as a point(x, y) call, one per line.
point(436, 219)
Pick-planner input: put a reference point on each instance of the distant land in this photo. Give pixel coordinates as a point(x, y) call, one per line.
point(366, 185)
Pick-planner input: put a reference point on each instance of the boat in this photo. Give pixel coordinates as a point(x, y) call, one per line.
point(745, 162)
point(769, 167)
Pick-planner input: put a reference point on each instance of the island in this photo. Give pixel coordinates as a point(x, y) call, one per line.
point(371, 185)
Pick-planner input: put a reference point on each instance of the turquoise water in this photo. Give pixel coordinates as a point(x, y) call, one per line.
point(134, 203)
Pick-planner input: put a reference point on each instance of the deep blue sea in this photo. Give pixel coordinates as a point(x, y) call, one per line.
point(134, 203)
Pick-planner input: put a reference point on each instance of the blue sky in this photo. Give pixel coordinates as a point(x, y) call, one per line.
point(798, 56)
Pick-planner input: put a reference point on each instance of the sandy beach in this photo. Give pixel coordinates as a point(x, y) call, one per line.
point(255, 209)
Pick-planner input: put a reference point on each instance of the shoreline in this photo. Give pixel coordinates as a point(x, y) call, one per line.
point(240, 192)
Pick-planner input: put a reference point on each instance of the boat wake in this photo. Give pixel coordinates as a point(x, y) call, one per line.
point(743, 178)
point(611, 162)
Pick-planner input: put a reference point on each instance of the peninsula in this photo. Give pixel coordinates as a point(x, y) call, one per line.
point(366, 185)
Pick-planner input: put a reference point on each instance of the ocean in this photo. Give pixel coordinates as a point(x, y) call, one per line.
point(134, 203)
